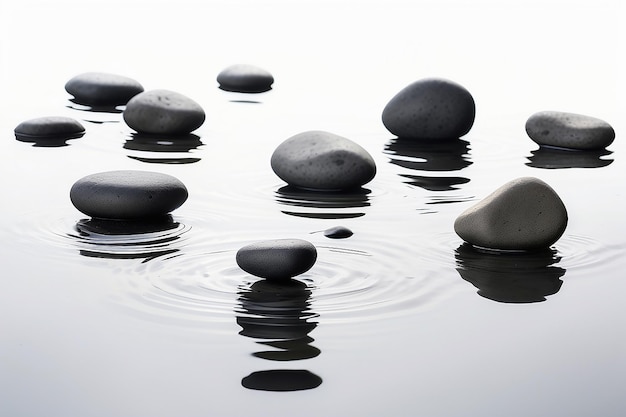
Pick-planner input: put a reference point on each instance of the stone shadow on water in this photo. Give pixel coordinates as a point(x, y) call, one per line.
point(113, 108)
point(324, 204)
point(547, 157)
point(126, 239)
point(279, 315)
point(510, 277)
point(163, 144)
point(431, 156)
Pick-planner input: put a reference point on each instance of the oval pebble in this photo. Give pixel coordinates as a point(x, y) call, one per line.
point(523, 214)
point(279, 259)
point(102, 89)
point(244, 78)
point(52, 128)
point(338, 232)
point(431, 108)
point(163, 112)
point(569, 130)
point(128, 194)
point(320, 160)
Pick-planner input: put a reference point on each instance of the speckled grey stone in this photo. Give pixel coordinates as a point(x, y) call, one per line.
point(128, 194)
point(163, 112)
point(523, 214)
point(322, 161)
point(54, 127)
point(279, 259)
point(102, 89)
point(569, 130)
point(244, 78)
point(431, 108)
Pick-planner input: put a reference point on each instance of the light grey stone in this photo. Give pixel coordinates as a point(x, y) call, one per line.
point(163, 112)
point(128, 194)
point(523, 214)
point(431, 108)
point(102, 89)
point(569, 130)
point(244, 78)
point(279, 259)
point(322, 161)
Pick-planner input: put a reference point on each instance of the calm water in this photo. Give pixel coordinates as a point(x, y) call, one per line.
point(400, 319)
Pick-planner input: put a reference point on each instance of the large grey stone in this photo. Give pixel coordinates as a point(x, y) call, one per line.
point(44, 129)
point(128, 194)
point(102, 89)
point(244, 78)
point(163, 112)
point(523, 214)
point(279, 259)
point(569, 130)
point(322, 161)
point(431, 108)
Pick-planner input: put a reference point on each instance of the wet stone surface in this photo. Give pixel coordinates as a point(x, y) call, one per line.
point(569, 130)
point(431, 108)
point(137, 195)
point(319, 160)
point(163, 112)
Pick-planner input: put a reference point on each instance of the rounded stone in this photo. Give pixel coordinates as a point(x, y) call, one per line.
point(128, 195)
point(53, 127)
point(338, 232)
point(431, 108)
point(278, 260)
point(322, 161)
point(102, 89)
point(244, 78)
point(163, 112)
point(523, 214)
point(569, 130)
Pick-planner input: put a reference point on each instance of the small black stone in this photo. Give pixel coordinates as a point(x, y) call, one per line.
point(278, 260)
point(243, 78)
point(338, 232)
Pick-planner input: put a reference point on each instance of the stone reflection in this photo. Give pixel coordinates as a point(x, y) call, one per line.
point(510, 277)
point(113, 108)
point(556, 158)
point(431, 156)
point(163, 144)
point(324, 204)
point(279, 316)
point(126, 239)
point(426, 155)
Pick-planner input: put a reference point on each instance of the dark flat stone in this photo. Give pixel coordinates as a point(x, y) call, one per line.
point(243, 78)
point(279, 259)
point(48, 128)
point(163, 112)
point(431, 108)
point(128, 194)
point(102, 89)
